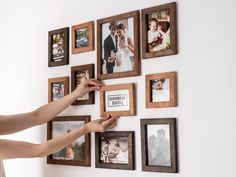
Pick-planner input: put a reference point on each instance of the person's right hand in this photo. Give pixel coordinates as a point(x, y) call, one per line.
point(102, 124)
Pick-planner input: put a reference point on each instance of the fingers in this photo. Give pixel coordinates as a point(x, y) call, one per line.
point(93, 88)
point(109, 122)
point(94, 82)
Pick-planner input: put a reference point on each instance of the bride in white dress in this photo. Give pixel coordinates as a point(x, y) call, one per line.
point(125, 49)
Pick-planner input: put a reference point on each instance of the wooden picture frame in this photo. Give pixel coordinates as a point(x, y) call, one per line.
point(122, 96)
point(82, 37)
point(77, 73)
point(115, 155)
point(57, 88)
point(163, 40)
point(161, 90)
point(58, 47)
point(159, 145)
point(77, 154)
point(123, 61)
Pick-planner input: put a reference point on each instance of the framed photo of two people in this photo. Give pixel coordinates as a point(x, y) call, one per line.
point(118, 46)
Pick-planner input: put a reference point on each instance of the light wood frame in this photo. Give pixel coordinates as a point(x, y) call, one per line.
point(51, 81)
point(173, 90)
point(132, 99)
point(131, 150)
point(65, 59)
point(87, 147)
point(137, 62)
point(90, 47)
point(173, 168)
point(173, 31)
point(82, 68)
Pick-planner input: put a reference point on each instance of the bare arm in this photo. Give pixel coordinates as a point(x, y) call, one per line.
point(15, 123)
point(18, 149)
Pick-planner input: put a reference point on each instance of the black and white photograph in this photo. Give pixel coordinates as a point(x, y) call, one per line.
point(160, 90)
point(57, 90)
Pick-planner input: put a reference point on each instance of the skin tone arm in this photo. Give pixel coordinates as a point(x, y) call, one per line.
point(15, 123)
point(130, 45)
point(18, 149)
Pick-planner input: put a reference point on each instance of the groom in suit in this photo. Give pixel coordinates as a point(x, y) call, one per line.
point(110, 44)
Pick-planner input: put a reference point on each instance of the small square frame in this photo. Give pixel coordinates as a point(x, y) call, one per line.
point(87, 147)
point(51, 81)
point(173, 168)
point(131, 150)
point(82, 68)
point(132, 99)
point(173, 31)
point(90, 47)
point(173, 90)
point(65, 59)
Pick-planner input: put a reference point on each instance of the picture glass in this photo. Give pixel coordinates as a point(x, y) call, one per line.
point(57, 90)
point(117, 100)
point(80, 75)
point(58, 47)
point(114, 150)
point(160, 90)
point(158, 34)
point(82, 37)
point(158, 145)
point(118, 46)
point(74, 151)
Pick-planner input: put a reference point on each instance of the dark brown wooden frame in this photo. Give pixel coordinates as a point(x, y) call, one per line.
point(132, 99)
point(74, 69)
point(173, 30)
point(87, 161)
point(65, 80)
point(131, 144)
point(137, 62)
point(173, 90)
point(90, 26)
point(65, 59)
point(173, 145)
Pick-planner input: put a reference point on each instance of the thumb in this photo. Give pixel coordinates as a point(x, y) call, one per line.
point(93, 88)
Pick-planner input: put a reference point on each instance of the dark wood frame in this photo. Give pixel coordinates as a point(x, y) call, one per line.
point(173, 30)
point(65, 60)
point(65, 80)
point(74, 69)
point(173, 90)
point(131, 149)
point(137, 62)
point(132, 99)
point(90, 26)
point(87, 161)
point(173, 145)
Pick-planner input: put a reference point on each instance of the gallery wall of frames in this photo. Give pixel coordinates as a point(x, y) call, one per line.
point(122, 42)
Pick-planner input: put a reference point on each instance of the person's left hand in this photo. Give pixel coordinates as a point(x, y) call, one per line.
point(88, 85)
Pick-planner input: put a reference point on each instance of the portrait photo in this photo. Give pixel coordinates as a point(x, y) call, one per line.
point(118, 100)
point(58, 47)
point(82, 37)
point(159, 31)
point(161, 90)
point(159, 147)
point(57, 88)
point(114, 149)
point(78, 73)
point(76, 153)
point(118, 50)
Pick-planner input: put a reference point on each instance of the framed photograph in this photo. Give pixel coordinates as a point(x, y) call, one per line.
point(77, 153)
point(58, 47)
point(161, 90)
point(77, 74)
point(159, 33)
point(82, 37)
point(159, 145)
point(118, 100)
point(115, 149)
point(57, 88)
point(118, 46)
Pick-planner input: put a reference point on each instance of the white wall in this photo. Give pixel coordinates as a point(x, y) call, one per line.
point(206, 114)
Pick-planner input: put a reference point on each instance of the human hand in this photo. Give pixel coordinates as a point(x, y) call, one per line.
point(102, 124)
point(87, 85)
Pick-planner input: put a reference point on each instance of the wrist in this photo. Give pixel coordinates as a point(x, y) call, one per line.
point(87, 128)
